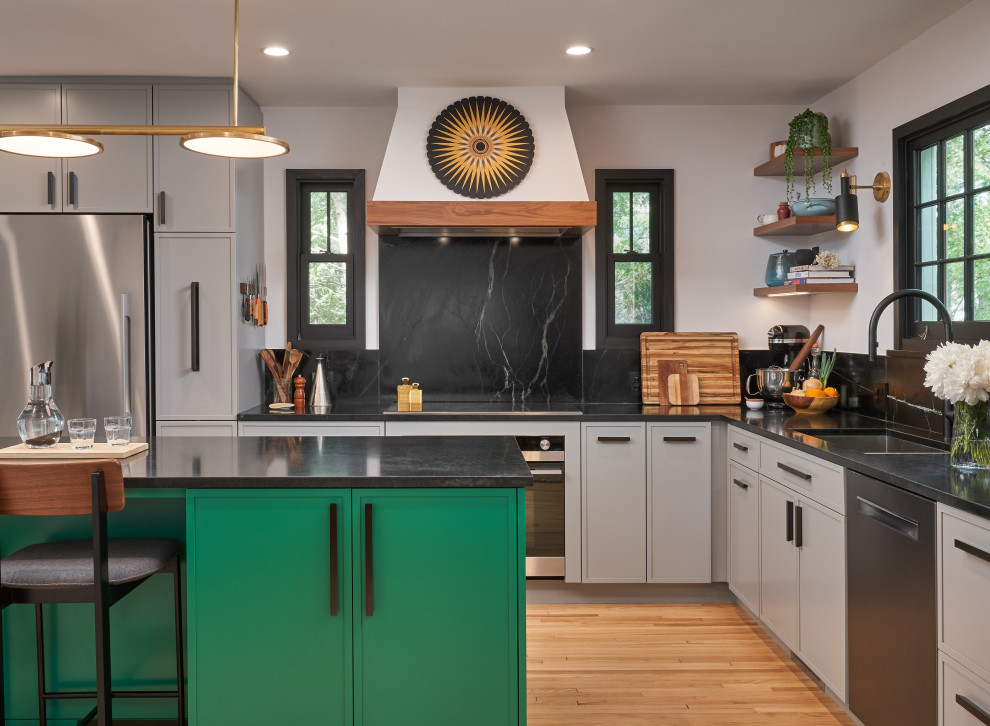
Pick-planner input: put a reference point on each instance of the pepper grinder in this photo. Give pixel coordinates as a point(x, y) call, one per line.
point(299, 396)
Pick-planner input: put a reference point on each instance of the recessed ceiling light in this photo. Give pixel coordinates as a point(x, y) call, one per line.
point(275, 50)
point(578, 50)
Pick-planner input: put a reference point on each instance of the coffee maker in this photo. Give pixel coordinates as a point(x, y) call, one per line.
point(786, 342)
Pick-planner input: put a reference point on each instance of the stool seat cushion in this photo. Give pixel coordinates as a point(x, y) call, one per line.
point(70, 563)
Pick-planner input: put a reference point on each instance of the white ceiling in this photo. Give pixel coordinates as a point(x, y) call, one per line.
point(357, 52)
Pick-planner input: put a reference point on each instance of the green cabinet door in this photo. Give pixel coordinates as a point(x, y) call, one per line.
point(442, 644)
point(264, 646)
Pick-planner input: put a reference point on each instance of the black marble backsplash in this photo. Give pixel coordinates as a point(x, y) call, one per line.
point(481, 319)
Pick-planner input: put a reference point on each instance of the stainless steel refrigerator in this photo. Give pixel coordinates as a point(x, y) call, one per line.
point(74, 290)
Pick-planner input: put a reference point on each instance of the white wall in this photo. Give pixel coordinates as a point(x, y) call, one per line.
point(945, 63)
point(712, 150)
point(320, 138)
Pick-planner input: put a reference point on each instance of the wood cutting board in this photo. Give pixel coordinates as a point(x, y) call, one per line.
point(713, 357)
point(65, 451)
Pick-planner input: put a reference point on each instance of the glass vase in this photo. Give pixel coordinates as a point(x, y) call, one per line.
point(971, 437)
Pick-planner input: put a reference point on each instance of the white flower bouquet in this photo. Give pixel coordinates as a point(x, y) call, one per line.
point(960, 374)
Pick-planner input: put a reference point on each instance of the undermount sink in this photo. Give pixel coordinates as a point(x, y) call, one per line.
point(882, 443)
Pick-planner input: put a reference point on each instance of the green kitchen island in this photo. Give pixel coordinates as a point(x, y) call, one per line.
point(338, 581)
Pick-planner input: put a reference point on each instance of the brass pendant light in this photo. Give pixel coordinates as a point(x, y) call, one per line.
point(71, 141)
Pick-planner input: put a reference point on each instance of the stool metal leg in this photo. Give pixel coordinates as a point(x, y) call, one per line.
point(3, 712)
point(179, 664)
point(39, 636)
point(103, 685)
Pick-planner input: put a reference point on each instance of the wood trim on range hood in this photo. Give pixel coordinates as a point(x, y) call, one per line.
point(465, 219)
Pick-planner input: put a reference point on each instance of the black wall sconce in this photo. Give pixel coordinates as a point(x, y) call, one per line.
point(847, 203)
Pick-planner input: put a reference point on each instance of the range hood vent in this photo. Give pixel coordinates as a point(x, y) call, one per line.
point(481, 219)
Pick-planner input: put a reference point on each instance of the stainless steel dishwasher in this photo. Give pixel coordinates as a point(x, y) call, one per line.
point(892, 591)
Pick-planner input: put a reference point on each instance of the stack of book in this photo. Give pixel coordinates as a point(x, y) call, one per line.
point(818, 275)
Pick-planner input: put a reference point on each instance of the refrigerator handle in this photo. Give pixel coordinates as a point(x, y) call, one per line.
point(194, 326)
point(125, 348)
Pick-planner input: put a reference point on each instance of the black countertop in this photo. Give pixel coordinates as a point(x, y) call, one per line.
point(928, 475)
point(247, 462)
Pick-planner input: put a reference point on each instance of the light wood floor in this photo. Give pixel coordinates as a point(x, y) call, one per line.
point(675, 665)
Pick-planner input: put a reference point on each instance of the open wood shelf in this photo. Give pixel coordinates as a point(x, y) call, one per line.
point(806, 289)
point(509, 218)
point(775, 167)
point(795, 226)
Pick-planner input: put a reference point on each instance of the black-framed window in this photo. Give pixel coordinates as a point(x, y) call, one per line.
point(942, 220)
point(325, 246)
point(634, 254)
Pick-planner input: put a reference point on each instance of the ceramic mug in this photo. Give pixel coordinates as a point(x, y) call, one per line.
point(766, 218)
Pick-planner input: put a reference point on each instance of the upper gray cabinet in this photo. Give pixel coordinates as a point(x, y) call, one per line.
point(118, 180)
point(193, 192)
point(27, 183)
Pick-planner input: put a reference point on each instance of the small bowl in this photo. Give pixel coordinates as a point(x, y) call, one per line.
point(754, 404)
point(810, 404)
point(813, 207)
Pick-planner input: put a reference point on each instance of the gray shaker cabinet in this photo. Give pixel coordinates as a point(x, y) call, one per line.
point(119, 179)
point(679, 502)
point(194, 317)
point(28, 183)
point(613, 512)
point(193, 192)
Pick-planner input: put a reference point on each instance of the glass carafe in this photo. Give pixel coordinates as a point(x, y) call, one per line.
point(40, 424)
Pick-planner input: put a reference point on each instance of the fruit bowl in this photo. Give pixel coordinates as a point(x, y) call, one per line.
point(810, 404)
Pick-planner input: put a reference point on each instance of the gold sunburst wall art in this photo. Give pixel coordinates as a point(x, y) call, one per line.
point(480, 147)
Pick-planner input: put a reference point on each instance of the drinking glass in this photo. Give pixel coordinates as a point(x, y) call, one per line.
point(82, 432)
point(117, 430)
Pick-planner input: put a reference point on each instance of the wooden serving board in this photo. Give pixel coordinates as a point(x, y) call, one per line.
point(65, 451)
point(713, 357)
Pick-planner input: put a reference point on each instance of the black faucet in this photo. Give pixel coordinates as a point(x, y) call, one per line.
point(946, 320)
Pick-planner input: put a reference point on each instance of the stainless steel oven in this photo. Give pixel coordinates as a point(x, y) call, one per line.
point(544, 505)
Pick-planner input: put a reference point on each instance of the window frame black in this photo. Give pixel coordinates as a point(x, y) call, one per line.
point(298, 182)
point(968, 112)
point(660, 182)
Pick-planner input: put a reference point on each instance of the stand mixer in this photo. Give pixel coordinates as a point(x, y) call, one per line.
point(785, 341)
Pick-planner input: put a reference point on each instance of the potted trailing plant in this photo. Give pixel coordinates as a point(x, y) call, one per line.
point(808, 131)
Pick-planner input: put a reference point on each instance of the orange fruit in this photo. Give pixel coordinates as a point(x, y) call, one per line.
point(831, 392)
point(816, 393)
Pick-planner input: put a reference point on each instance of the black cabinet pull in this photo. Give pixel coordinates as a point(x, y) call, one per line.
point(334, 593)
point(795, 472)
point(73, 188)
point(740, 484)
point(971, 550)
point(977, 712)
point(790, 521)
point(369, 590)
point(798, 526)
point(161, 209)
point(194, 323)
point(614, 439)
point(742, 448)
point(685, 439)
point(51, 189)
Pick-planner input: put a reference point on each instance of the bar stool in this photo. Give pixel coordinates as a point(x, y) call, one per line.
point(100, 571)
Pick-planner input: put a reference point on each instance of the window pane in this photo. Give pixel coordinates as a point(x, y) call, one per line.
point(633, 293)
point(317, 222)
point(955, 180)
point(955, 290)
point(337, 213)
point(981, 157)
point(981, 289)
point(928, 281)
point(927, 174)
point(328, 293)
point(620, 221)
point(928, 234)
point(981, 224)
point(955, 228)
point(641, 222)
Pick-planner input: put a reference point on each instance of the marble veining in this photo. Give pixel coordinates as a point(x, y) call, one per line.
point(481, 319)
